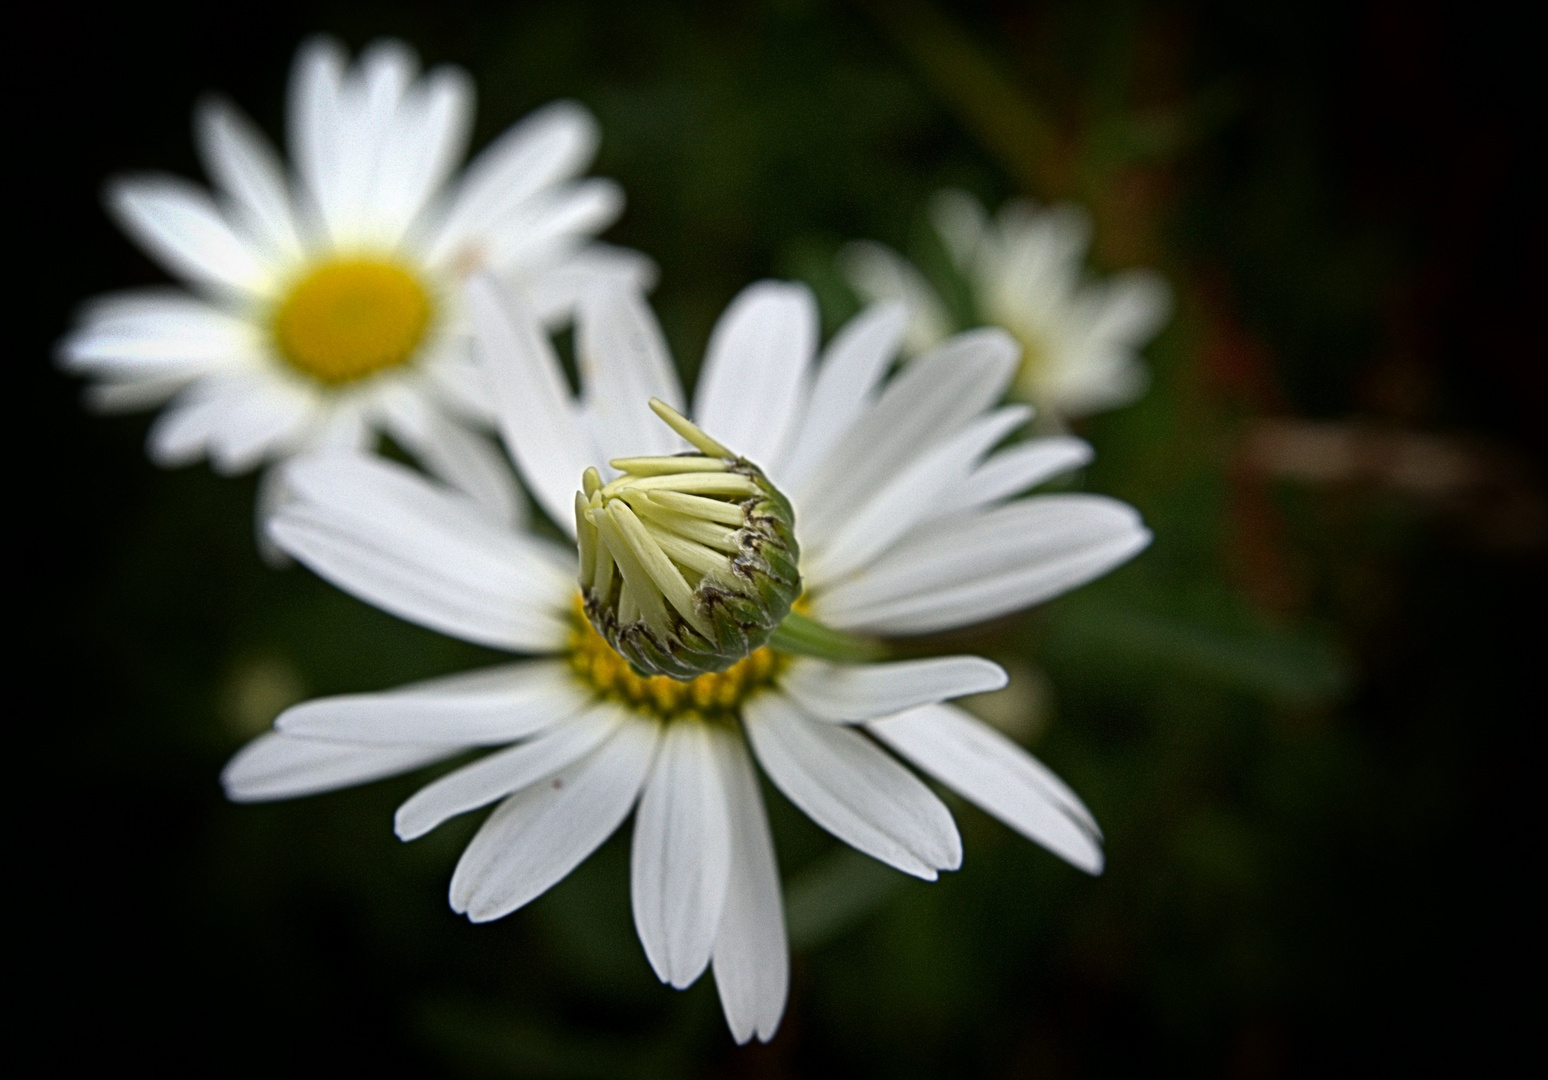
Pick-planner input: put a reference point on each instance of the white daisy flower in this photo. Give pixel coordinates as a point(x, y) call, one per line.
point(325, 306)
point(1025, 271)
point(906, 522)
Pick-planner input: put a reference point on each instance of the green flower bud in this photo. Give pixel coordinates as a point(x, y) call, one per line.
point(688, 562)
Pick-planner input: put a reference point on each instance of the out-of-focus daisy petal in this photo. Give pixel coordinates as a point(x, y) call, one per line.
point(448, 449)
point(680, 860)
point(282, 767)
point(976, 567)
point(555, 293)
point(156, 334)
point(880, 274)
point(425, 142)
point(246, 168)
point(537, 836)
point(498, 775)
point(552, 144)
point(960, 222)
point(481, 708)
point(847, 693)
point(536, 414)
point(546, 228)
point(183, 229)
point(849, 786)
point(751, 958)
point(753, 384)
point(989, 770)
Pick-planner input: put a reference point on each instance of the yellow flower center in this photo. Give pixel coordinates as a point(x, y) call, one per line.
point(713, 696)
point(347, 319)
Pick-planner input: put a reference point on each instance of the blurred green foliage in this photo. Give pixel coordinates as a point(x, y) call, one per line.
point(1282, 713)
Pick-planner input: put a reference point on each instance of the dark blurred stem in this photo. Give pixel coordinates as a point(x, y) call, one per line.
point(1001, 114)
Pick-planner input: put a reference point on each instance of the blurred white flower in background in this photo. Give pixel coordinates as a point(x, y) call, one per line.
point(908, 520)
point(1025, 271)
point(324, 306)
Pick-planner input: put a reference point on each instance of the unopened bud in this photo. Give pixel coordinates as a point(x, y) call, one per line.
point(687, 562)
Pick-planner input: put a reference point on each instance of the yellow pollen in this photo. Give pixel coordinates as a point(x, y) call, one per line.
point(347, 319)
point(713, 696)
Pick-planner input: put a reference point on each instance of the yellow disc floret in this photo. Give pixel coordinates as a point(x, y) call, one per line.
point(712, 696)
point(347, 319)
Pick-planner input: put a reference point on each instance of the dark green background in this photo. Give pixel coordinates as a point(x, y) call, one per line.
point(1302, 716)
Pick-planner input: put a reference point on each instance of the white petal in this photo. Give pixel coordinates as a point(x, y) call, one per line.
point(907, 498)
point(246, 168)
point(551, 145)
point(537, 836)
point(380, 531)
point(316, 80)
point(1014, 470)
point(280, 767)
point(446, 448)
point(960, 221)
point(181, 227)
point(554, 292)
point(849, 786)
point(156, 334)
point(480, 708)
point(548, 228)
point(497, 775)
point(752, 386)
point(850, 692)
point(236, 420)
point(623, 363)
point(680, 860)
point(852, 366)
point(751, 957)
point(369, 103)
point(928, 401)
point(877, 274)
point(133, 395)
point(973, 568)
point(423, 144)
point(537, 415)
point(1136, 303)
point(995, 774)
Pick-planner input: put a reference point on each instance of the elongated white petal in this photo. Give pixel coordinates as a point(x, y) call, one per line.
point(547, 228)
point(246, 168)
point(480, 708)
point(499, 774)
point(751, 957)
point(376, 529)
point(537, 416)
point(933, 397)
point(907, 498)
point(849, 786)
point(448, 449)
point(680, 861)
point(181, 227)
point(1014, 470)
point(554, 292)
point(156, 334)
point(313, 111)
point(552, 144)
point(422, 145)
point(537, 836)
point(992, 772)
point(277, 766)
point(753, 384)
point(623, 363)
point(237, 420)
point(982, 565)
point(852, 366)
point(849, 692)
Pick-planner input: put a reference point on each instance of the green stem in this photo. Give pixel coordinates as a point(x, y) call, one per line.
point(808, 637)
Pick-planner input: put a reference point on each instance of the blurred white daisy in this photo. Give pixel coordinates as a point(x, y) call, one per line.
point(325, 306)
point(1025, 271)
point(907, 524)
